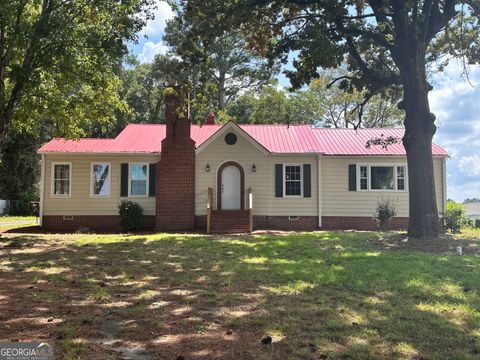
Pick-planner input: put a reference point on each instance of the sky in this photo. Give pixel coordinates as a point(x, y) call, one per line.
point(454, 101)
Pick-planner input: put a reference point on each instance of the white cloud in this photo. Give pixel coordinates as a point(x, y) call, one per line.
point(470, 165)
point(161, 13)
point(456, 104)
point(150, 49)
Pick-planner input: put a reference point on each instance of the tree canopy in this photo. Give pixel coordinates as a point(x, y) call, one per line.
point(386, 44)
point(59, 61)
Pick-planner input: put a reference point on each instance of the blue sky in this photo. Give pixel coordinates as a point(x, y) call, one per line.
point(455, 102)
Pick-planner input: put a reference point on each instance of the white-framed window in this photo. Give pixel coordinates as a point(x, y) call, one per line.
point(401, 180)
point(138, 179)
point(61, 179)
point(293, 179)
point(382, 177)
point(363, 178)
point(100, 179)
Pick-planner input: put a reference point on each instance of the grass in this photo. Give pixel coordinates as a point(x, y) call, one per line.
point(319, 295)
point(6, 222)
point(8, 218)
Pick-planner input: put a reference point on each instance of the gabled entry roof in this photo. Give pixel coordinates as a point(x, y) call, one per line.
point(281, 139)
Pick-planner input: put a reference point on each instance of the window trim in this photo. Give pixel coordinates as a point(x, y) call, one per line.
point(130, 179)
point(92, 164)
point(52, 179)
point(285, 180)
point(395, 179)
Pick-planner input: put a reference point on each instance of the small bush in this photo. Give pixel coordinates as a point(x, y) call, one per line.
point(131, 214)
point(455, 217)
point(384, 213)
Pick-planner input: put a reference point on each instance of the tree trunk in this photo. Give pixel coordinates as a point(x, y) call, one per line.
point(419, 130)
point(221, 91)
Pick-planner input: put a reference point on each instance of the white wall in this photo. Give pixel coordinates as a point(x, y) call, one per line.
point(80, 202)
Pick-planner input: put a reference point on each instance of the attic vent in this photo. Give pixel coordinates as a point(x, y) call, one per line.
point(67, 217)
point(231, 138)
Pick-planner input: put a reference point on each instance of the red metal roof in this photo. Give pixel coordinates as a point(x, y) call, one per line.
point(147, 138)
point(352, 142)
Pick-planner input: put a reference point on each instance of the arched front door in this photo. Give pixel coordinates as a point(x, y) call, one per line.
point(230, 187)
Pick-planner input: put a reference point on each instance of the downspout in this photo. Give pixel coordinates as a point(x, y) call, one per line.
point(42, 187)
point(319, 190)
point(444, 183)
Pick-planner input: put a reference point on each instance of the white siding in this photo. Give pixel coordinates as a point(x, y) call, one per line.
point(80, 202)
point(473, 210)
point(262, 181)
point(338, 201)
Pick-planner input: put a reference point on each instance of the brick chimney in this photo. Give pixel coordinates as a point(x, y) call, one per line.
point(175, 193)
point(211, 119)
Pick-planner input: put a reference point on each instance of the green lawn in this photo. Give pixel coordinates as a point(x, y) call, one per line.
point(319, 295)
point(9, 219)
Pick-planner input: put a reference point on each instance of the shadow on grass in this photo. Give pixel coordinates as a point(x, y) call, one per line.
point(321, 295)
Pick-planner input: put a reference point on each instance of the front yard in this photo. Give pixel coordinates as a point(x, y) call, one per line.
point(319, 295)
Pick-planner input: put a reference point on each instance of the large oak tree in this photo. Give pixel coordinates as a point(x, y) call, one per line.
point(386, 43)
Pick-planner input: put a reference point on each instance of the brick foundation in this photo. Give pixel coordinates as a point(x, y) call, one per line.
point(111, 223)
point(359, 223)
point(100, 223)
point(261, 222)
point(307, 223)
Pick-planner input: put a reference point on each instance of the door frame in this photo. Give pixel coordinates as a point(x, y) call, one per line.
point(219, 184)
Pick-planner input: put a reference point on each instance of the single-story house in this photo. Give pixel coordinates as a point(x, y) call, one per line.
point(472, 210)
point(228, 177)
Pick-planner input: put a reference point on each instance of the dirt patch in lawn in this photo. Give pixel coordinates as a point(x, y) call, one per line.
point(444, 244)
point(111, 302)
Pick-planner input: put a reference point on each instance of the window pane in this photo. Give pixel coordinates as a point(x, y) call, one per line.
point(62, 171)
point(400, 177)
point(61, 187)
point(363, 184)
point(293, 183)
point(61, 180)
point(139, 187)
point(138, 177)
point(363, 171)
point(139, 172)
point(100, 180)
point(382, 177)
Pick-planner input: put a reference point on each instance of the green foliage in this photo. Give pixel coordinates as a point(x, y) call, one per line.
point(59, 62)
point(384, 213)
point(20, 170)
point(455, 217)
point(131, 214)
point(387, 46)
point(319, 105)
point(214, 71)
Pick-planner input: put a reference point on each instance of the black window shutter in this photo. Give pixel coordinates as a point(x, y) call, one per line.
point(152, 182)
point(124, 180)
point(307, 180)
point(352, 177)
point(278, 180)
